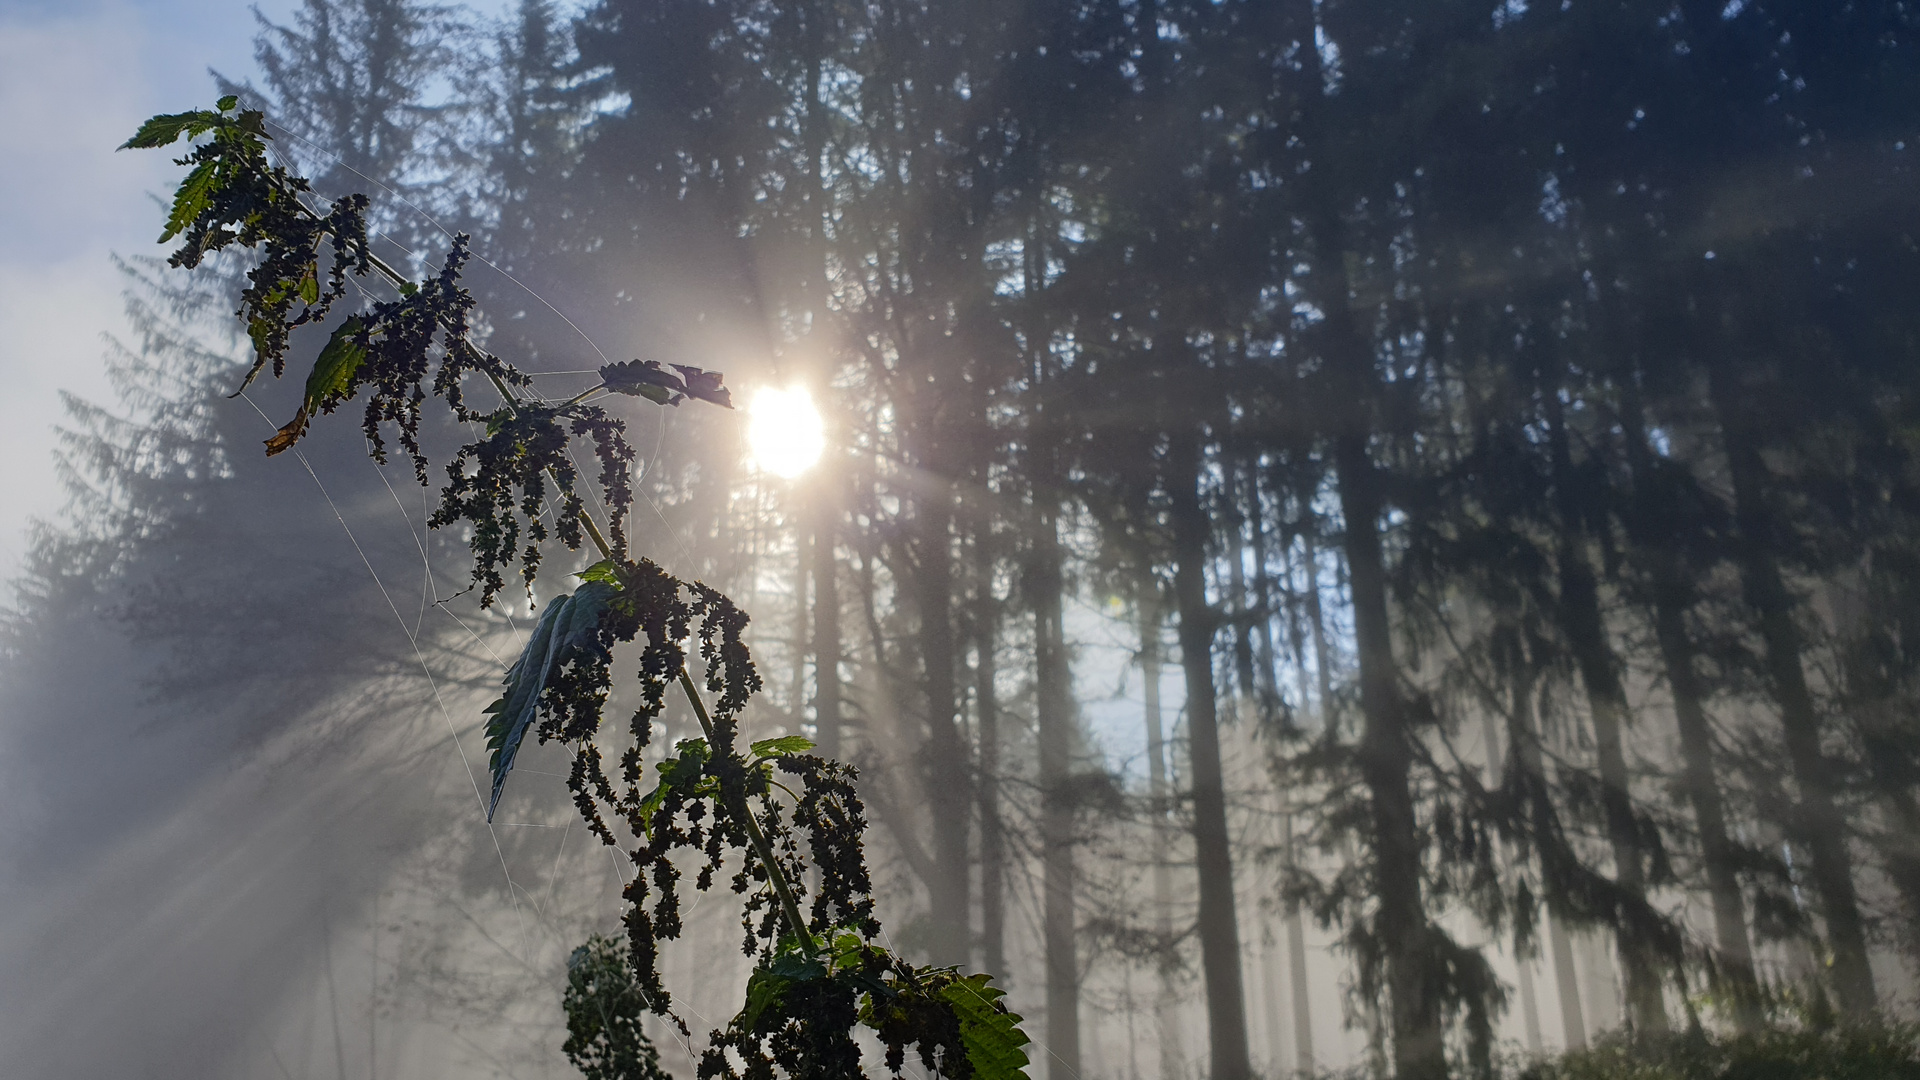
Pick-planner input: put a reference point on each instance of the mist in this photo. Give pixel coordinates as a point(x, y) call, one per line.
point(1341, 538)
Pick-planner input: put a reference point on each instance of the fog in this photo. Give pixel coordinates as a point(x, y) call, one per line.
point(1341, 538)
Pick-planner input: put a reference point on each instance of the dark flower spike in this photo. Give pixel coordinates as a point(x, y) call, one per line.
point(705, 385)
point(644, 378)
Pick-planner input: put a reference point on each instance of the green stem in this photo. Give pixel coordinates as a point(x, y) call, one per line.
point(737, 806)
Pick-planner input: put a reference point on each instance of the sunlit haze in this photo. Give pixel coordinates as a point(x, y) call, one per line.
point(784, 432)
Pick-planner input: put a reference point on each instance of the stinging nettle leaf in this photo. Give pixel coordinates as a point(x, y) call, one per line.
point(335, 367)
point(990, 1033)
point(162, 130)
point(705, 385)
point(192, 197)
point(643, 378)
point(605, 570)
point(332, 377)
point(567, 626)
point(781, 747)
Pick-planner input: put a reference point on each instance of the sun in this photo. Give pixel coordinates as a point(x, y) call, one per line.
point(784, 432)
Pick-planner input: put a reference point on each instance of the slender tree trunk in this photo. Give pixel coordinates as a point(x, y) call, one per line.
point(1317, 621)
point(826, 482)
point(944, 758)
point(1566, 977)
point(826, 619)
point(1167, 1000)
point(1385, 751)
point(802, 627)
point(1522, 963)
point(993, 857)
point(1894, 778)
point(1523, 737)
point(1529, 1002)
point(1820, 824)
point(1055, 713)
point(1270, 990)
point(1236, 605)
point(1268, 673)
point(1585, 627)
point(1672, 596)
point(1296, 924)
point(1218, 926)
point(1386, 763)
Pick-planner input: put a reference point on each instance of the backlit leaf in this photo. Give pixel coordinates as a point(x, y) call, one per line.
point(164, 129)
point(643, 378)
point(705, 385)
point(335, 367)
point(990, 1033)
point(567, 626)
point(605, 570)
point(781, 747)
point(194, 194)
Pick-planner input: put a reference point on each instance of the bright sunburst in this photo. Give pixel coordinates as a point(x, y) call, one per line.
point(784, 431)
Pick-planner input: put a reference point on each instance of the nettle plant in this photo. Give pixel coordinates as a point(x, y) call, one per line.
point(771, 809)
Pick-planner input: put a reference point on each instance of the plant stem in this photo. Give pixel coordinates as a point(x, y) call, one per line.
point(737, 804)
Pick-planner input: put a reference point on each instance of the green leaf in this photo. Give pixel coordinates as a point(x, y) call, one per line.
point(990, 1033)
point(310, 285)
point(781, 747)
point(335, 367)
point(764, 991)
point(565, 628)
point(605, 570)
point(686, 769)
point(194, 194)
point(228, 103)
point(258, 330)
point(161, 130)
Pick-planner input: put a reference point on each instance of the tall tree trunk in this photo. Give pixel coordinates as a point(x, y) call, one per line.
point(1385, 751)
point(1055, 715)
point(1654, 514)
point(1167, 1000)
point(826, 482)
point(1566, 979)
point(1522, 963)
point(1268, 673)
point(993, 849)
point(1236, 599)
point(944, 758)
point(1213, 858)
point(802, 626)
point(1386, 762)
point(1523, 740)
point(1585, 627)
point(826, 618)
point(1296, 923)
point(1819, 823)
point(1894, 779)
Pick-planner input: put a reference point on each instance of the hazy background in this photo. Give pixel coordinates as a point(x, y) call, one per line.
point(75, 79)
point(1084, 343)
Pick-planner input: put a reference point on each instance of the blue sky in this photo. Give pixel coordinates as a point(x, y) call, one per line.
point(76, 77)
